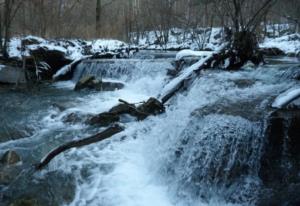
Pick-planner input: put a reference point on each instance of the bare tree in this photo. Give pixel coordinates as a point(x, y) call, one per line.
point(10, 9)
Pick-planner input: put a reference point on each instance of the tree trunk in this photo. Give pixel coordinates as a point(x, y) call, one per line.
point(98, 18)
point(1, 30)
point(7, 11)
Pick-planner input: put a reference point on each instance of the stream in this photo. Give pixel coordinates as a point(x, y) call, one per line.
point(205, 150)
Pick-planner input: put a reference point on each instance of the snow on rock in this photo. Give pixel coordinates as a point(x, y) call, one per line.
point(73, 49)
point(287, 97)
point(108, 45)
point(190, 53)
point(289, 44)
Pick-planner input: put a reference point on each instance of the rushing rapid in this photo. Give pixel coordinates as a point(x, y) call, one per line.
point(205, 150)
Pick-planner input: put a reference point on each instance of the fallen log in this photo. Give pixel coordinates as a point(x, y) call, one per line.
point(66, 72)
point(151, 107)
point(242, 48)
point(286, 98)
point(109, 132)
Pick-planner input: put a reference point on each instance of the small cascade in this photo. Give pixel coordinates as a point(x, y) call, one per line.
point(122, 69)
point(217, 156)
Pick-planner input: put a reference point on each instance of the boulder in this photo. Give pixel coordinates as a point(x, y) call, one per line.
point(10, 158)
point(272, 51)
point(85, 82)
point(12, 75)
point(104, 119)
point(56, 59)
point(90, 82)
point(280, 162)
point(152, 107)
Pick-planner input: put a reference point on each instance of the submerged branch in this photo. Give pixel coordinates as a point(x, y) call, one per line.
point(109, 132)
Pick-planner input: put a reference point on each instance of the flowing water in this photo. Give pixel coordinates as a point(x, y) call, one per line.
point(205, 150)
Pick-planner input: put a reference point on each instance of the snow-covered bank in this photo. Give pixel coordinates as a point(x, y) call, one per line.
point(72, 48)
point(289, 44)
point(47, 56)
point(178, 39)
point(212, 39)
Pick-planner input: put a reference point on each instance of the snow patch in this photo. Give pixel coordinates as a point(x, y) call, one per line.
point(289, 44)
point(73, 49)
point(287, 97)
point(190, 53)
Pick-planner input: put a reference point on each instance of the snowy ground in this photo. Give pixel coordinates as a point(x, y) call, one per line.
point(289, 44)
point(203, 39)
point(72, 48)
point(178, 39)
point(212, 39)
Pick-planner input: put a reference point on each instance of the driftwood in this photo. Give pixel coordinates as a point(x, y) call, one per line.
point(150, 107)
point(79, 143)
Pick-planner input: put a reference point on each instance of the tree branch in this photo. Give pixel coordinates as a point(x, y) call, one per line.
point(79, 143)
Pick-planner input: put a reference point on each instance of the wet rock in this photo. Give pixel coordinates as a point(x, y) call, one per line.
point(118, 112)
point(123, 109)
point(10, 158)
point(59, 106)
point(84, 82)
point(8, 174)
point(104, 119)
point(245, 108)
point(72, 118)
point(12, 75)
point(287, 196)
point(51, 189)
point(244, 83)
point(152, 106)
point(25, 202)
point(280, 162)
point(90, 82)
point(217, 151)
point(111, 86)
point(10, 132)
point(272, 51)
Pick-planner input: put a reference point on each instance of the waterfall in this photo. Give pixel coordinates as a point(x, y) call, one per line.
point(122, 69)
